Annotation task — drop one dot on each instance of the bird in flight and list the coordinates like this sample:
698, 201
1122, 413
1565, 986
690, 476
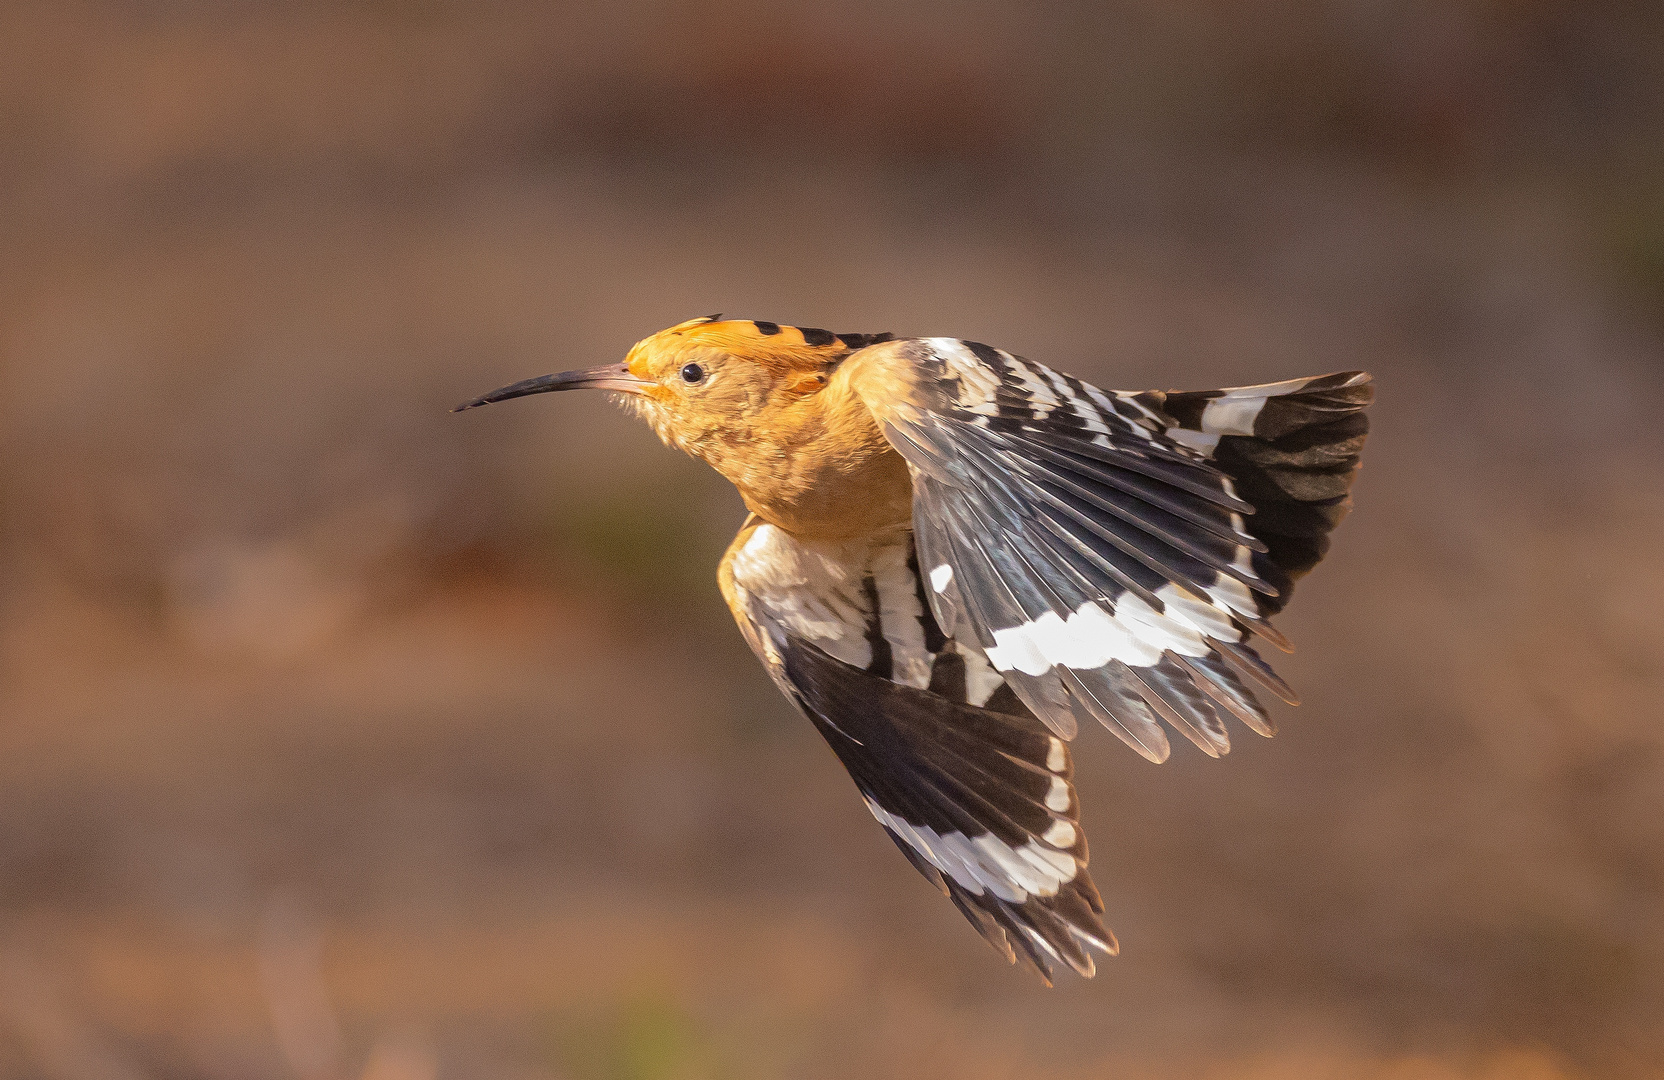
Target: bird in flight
955, 557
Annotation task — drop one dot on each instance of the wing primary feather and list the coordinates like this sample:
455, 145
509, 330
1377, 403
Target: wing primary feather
1115, 573
1059, 938
1262, 627
986, 925
1001, 461
946, 603
970, 794
1039, 596
1142, 733
1220, 683
1249, 662
953, 788
1094, 584
1214, 560
1076, 909
1155, 748
1170, 468
1120, 543
1027, 550
997, 467
1067, 569
1144, 492
990, 604
1159, 682
1015, 932
897, 798
987, 587
921, 864
1058, 672
911, 801
1043, 694
1151, 445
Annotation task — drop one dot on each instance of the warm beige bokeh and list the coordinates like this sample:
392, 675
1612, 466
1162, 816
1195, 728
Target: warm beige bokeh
344, 737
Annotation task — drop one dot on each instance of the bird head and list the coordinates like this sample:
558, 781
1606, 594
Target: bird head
727, 391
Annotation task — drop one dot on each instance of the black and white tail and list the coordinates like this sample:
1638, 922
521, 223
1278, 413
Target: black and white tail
1292, 449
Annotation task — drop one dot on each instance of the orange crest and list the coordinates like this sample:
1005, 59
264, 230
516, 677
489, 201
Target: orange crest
780, 349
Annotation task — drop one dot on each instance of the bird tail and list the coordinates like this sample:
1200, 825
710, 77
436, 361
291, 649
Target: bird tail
1291, 449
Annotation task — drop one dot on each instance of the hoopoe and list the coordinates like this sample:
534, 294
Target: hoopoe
955, 557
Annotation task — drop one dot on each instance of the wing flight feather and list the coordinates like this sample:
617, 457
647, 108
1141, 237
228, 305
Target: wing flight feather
1077, 555
970, 785
1113, 553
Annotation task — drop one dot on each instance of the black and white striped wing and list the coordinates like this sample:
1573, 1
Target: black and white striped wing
1112, 557
973, 789
979, 801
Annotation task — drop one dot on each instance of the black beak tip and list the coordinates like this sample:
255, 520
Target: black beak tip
610, 377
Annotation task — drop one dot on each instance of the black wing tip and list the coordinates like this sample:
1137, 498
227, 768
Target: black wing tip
932, 777
1044, 932
1338, 379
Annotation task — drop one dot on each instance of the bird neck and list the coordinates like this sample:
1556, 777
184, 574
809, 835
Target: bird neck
821, 469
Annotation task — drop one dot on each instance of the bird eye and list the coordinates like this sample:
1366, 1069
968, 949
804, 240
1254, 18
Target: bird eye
692, 373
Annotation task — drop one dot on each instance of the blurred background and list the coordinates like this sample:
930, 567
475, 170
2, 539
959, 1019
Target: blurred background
344, 737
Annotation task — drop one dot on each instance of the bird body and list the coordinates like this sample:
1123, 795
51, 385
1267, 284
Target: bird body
955, 555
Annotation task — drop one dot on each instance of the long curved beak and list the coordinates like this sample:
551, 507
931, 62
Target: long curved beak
611, 377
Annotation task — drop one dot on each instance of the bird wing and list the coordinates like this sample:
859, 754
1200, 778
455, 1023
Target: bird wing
972, 788
1113, 553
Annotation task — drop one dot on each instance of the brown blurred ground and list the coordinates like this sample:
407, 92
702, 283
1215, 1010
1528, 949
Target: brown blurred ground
340, 736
